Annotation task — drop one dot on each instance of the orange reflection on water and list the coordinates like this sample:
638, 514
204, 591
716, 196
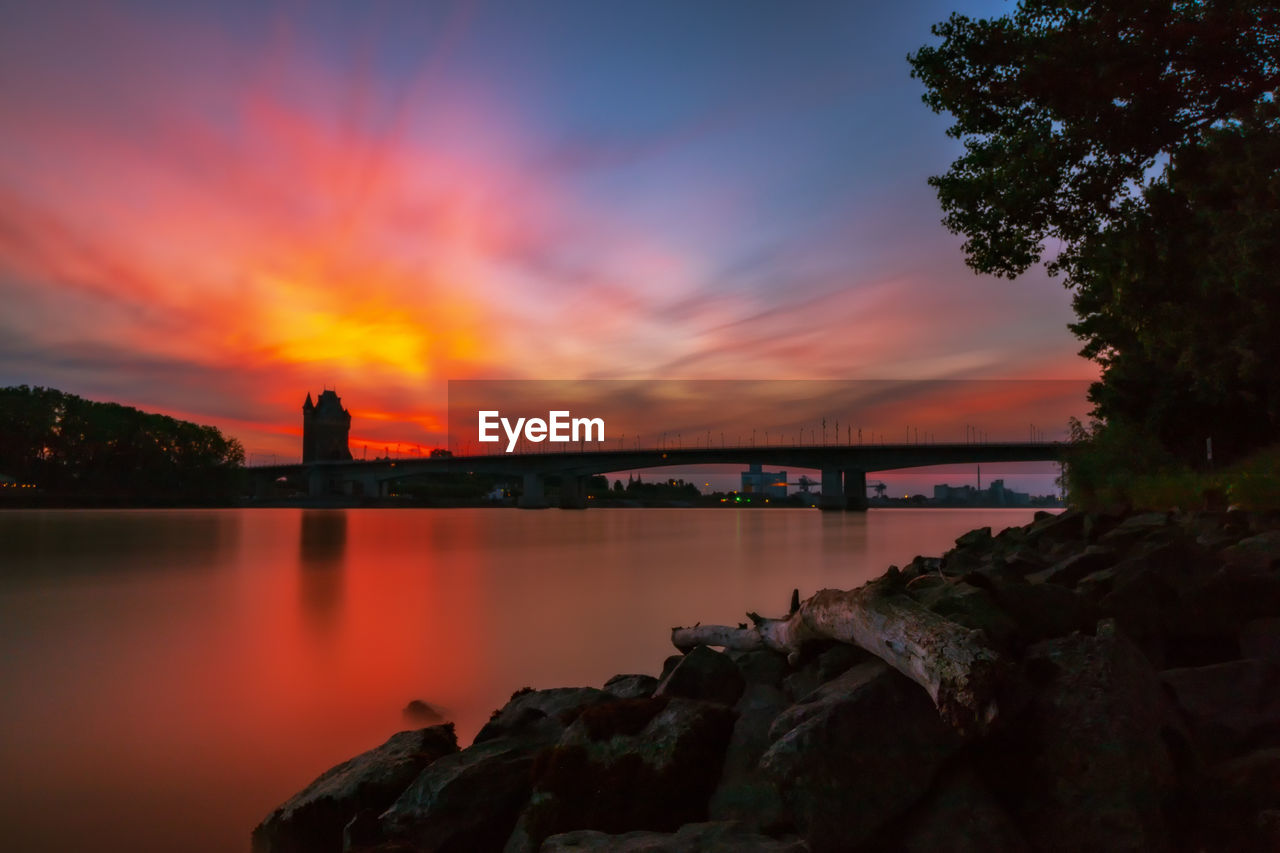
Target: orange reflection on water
176, 675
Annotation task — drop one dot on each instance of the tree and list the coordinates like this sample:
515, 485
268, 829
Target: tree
1177, 303
1126, 143
105, 451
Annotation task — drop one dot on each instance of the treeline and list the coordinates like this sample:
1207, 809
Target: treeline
1135, 149
80, 450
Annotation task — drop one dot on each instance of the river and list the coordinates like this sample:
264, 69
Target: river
168, 677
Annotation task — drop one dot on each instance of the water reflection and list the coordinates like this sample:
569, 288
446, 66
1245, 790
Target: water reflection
322, 555
56, 546
218, 693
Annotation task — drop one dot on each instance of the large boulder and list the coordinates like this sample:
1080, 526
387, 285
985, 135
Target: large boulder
972, 607
1257, 553
1049, 530
744, 793
529, 707
1135, 528
822, 661
470, 800
633, 764
717, 837
313, 819
1234, 596
631, 686
855, 754
1155, 604
1229, 705
1260, 639
1040, 611
960, 816
1238, 804
1090, 762
761, 666
1068, 571
706, 675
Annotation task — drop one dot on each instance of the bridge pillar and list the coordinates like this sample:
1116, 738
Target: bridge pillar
832, 491
534, 495
317, 482
370, 486
573, 492
261, 486
855, 490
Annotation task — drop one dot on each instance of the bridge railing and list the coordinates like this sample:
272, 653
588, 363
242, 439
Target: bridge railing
469, 450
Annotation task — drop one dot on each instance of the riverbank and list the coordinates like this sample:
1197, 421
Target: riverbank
1139, 709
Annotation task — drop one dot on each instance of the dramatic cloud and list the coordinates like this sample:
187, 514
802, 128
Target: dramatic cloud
210, 211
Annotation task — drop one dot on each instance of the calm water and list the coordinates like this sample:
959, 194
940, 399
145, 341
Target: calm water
166, 678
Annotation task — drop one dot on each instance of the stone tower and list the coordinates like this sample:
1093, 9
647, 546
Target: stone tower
325, 427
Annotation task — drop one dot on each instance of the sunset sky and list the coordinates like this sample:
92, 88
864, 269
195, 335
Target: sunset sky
211, 209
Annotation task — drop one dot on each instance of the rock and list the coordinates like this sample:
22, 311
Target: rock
1233, 596
1229, 705
823, 663
706, 675
1239, 800
313, 819
961, 816
1160, 610
1098, 524
975, 540
971, 607
1050, 530
761, 666
839, 658
1207, 528
721, 837
470, 800
855, 755
1010, 540
632, 764
1134, 528
744, 793
1068, 571
1044, 610
1261, 639
669, 664
422, 713
631, 686
1256, 553
1088, 764
1021, 563
528, 707
921, 565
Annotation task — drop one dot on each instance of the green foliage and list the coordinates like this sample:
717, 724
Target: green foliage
1178, 302
1116, 464
1255, 482
1105, 459
1064, 107
1142, 142
78, 448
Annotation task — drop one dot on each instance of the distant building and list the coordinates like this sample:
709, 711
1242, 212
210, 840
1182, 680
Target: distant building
954, 494
771, 484
326, 427
996, 495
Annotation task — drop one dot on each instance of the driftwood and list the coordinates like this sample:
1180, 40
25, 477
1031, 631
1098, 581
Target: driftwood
963, 675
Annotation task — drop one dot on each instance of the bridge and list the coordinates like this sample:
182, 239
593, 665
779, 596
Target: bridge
844, 467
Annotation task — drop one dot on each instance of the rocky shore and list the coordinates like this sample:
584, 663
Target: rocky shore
1141, 712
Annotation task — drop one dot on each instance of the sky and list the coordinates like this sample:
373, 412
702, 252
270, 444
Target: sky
210, 210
